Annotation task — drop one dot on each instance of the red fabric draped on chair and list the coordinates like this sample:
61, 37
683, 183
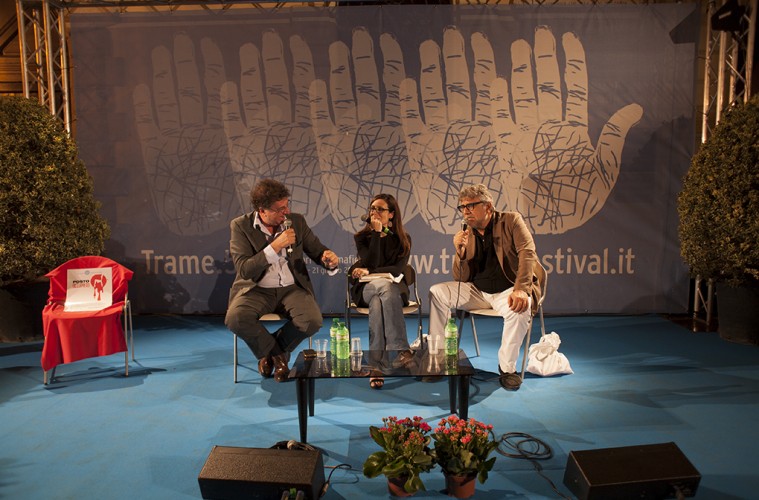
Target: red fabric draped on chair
74, 335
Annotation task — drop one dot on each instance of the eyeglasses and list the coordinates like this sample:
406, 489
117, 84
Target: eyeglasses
468, 207
280, 210
379, 210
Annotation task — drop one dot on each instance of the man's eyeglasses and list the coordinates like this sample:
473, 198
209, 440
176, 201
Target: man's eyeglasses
468, 207
379, 210
280, 210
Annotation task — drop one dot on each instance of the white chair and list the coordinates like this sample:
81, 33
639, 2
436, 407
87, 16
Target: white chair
414, 306
268, 318
462, 314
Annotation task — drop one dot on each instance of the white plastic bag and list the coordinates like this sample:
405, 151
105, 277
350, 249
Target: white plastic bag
544, 358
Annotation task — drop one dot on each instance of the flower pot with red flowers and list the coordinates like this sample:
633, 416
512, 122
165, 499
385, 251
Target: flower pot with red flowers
405, 454
461, 448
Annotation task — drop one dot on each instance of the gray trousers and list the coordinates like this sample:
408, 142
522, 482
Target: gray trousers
297, 304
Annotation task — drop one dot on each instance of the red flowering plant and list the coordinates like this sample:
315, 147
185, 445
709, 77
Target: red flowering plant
462, 447
406, 453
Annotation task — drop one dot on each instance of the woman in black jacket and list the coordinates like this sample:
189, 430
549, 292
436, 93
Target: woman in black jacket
382, 247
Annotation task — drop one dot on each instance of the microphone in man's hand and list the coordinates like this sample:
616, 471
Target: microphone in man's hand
386, 230
463, 228
287, 224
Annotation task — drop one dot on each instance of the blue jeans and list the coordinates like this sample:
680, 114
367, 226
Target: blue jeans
387, 326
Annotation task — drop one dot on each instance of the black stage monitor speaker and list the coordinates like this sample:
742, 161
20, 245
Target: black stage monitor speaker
646, 471
231, 473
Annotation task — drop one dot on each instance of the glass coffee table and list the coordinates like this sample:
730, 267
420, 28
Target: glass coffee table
389, 364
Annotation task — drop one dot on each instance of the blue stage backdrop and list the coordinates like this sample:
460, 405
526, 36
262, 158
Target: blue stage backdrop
579, 117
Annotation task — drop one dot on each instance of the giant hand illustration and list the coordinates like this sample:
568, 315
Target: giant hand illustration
183, 144
552, 173
269, 135
454, 145
361, 152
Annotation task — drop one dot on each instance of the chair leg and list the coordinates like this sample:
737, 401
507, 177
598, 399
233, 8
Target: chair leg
419, 330
474, 335
234, 351
526, 347
125, 314
49, 376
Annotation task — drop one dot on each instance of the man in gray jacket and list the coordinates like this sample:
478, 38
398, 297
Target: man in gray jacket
267, 247
496, 267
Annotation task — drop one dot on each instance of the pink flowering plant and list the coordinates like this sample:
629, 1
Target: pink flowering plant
405, 451
462, 447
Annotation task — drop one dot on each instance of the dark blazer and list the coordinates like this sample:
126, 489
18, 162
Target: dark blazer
515, 250
246, 248
371, 256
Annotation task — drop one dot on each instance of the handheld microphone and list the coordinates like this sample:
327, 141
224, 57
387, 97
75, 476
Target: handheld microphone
463, 225
287, 224
386, 230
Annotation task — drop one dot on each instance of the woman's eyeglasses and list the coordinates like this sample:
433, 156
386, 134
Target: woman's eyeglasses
379, 210
468, 207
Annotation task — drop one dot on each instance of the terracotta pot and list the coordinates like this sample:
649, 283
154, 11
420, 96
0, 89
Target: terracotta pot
460, 486
395, 487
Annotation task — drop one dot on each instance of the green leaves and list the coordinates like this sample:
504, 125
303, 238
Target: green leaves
719, 202
48, 213
405, 451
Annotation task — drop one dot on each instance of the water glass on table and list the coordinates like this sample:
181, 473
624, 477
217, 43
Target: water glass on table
321, 346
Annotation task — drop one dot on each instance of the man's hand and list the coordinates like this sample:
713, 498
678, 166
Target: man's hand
329, 259
284, 240
518, 301
460, 241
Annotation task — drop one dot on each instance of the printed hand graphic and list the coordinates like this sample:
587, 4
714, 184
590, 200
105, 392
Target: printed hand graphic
269, 135
361, 152
183, 143
546, 166
454, 145
551, 172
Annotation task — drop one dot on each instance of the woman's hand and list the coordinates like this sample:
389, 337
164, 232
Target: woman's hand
359, 271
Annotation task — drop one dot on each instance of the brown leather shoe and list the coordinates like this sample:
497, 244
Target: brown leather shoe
281, 371
265, 366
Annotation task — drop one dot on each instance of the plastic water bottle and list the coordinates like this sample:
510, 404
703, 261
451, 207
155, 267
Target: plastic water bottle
451, 338
333, 335
342, 339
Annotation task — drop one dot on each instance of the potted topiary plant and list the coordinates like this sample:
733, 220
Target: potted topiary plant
48, 214
719, 219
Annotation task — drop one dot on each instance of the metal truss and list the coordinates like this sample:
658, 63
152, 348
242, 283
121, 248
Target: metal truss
44, 58
728, 67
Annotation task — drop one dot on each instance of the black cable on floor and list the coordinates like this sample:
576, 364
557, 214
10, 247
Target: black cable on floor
526, 447
325, 487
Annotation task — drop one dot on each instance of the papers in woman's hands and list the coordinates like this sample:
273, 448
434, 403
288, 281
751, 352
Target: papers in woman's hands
381, 276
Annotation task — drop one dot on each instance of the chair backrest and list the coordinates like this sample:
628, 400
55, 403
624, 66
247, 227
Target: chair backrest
120, 276
409, 275
542, 276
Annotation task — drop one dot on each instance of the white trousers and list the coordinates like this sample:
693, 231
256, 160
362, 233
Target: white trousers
462, 295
